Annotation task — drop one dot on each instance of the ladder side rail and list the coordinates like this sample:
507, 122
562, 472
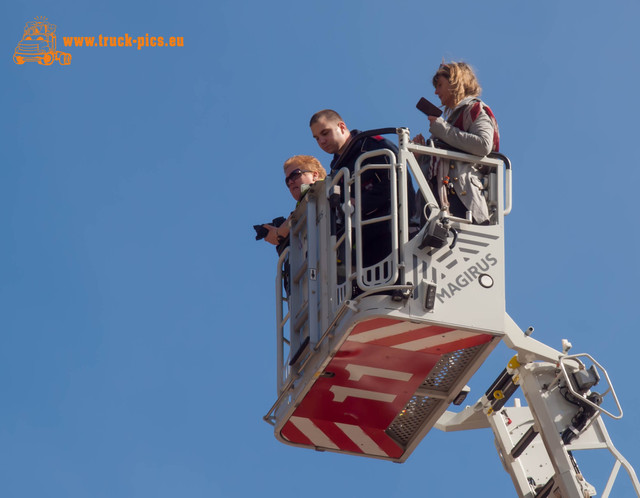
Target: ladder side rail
566, 476
546, 412
359, 169
547, 459
514, 466
281, 321
325, 287
303, 240
404, 202
604, 442
596, 425
347, 210
339, 291
311, 278
298, 265
331, 247
612, 477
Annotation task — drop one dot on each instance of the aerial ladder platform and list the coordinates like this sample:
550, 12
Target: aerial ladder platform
370, 359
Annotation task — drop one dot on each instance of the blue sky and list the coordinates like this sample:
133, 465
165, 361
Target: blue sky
137, 337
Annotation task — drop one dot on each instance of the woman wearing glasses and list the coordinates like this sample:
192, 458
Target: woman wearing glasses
299, 172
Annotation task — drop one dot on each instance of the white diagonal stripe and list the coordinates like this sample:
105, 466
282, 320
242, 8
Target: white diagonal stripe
357, 371
364, 442
311, 430
340, 393
436, 340
389, 331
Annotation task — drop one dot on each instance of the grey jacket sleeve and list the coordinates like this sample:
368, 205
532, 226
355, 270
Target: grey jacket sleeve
478, 140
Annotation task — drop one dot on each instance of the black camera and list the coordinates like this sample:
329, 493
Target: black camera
261, 232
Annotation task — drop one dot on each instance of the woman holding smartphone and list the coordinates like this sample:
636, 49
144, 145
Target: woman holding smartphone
468, 125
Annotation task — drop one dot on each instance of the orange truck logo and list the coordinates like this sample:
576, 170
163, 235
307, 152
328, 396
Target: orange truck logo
39, 44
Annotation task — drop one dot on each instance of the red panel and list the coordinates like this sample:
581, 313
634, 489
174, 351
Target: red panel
356, 409
367, 385
291, 433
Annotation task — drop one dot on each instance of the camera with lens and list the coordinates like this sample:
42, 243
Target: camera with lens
261, 231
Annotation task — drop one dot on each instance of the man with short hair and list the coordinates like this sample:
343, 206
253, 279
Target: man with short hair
330, 131
333, 137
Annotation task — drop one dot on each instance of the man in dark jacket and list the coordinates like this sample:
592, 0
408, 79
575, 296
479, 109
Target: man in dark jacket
333, 137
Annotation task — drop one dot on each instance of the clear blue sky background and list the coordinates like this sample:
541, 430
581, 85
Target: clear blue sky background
137, 338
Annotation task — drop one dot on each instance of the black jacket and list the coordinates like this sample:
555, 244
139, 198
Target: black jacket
376, 195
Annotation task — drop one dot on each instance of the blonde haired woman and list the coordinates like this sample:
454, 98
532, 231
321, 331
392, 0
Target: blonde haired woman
302, 170
299, 172
469, 125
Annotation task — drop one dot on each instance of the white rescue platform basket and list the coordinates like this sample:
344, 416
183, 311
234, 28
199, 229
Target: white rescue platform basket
370, 358
370, 373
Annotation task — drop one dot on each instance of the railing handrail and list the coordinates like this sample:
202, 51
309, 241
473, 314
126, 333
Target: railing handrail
281, 319
344, 175
354, 140
359, 170
493, 160
564, 359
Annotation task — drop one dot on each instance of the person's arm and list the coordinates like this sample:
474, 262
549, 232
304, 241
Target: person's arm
276, 234
478, 140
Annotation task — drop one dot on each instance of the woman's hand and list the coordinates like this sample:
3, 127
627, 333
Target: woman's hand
275, 235
272, 236
418, 139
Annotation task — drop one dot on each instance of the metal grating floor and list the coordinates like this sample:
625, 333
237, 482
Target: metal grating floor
441, 378
446, 372
409, 421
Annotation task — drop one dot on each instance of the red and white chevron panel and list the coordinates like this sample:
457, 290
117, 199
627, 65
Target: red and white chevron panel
368, 382
416, 337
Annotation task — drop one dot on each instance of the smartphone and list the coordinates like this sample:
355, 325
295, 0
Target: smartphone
428, 108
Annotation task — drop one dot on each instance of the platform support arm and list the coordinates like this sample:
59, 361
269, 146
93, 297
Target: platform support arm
528, 349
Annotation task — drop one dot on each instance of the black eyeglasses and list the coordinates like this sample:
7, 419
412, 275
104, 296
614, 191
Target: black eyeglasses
295, 174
